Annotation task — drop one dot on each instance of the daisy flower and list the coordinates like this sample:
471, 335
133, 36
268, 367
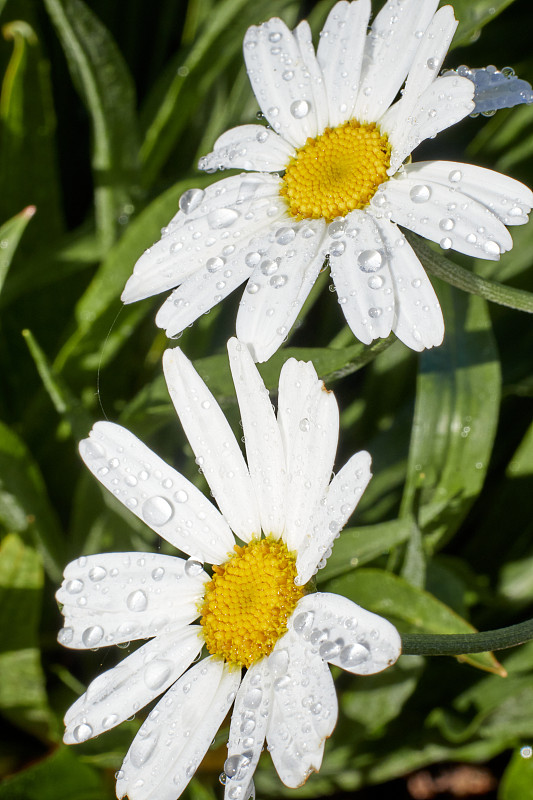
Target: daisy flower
254, 611
331, 177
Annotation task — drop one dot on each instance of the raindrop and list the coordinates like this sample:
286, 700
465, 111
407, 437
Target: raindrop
65, 636
353, 654
247, 726
288, 75
142, 749
336, 228
252, 698
237, 766
304, 425
300, 109
370, 260
261, 136
491, 248
109, 721
269, 267
74, 587
252, 259
92, 636
274, 37
337, 249
93, 449
214, 264
303, 621
222, 218
447, 224
416, 283
374, 313
375, 282
181, 496
82, 732
277, 281
329, 650
97, 574
137, 601
157, 511
190, 200
420, 193
446, 243
471, 238
252, 288
285, 235
193, 568
157, 673
455, 176
158, 573
432, 63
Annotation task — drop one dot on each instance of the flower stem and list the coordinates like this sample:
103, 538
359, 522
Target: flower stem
427, 644
469, 281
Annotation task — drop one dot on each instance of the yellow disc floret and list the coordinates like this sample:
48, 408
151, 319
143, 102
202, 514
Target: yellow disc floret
249, 600
337, 172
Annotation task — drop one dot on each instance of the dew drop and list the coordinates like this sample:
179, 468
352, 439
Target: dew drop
304, 425
288, 75
92, 636
157, 511
274, 37
370, 260
252, 288
455, 176
337, 248
74, 587
190, 200
269, 267
214, 264
285, 235
337, 228
109, 721
156, 673
432, 63
300, 108
303, 621
277, 281
82, 732
142, 749
252, 698
158, 573
447, 224
374, 313
93, 449
353, 654
65, 636
137, 601
261, 136
375, 282
446, 243
222, 218
329, 650
491, 248
236, 766
420, 193
97, 574
181, 496
252, 259
193, 568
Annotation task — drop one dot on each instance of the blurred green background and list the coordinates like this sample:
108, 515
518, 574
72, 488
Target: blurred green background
105, 108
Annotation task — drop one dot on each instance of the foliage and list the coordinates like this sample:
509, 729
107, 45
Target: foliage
105, 108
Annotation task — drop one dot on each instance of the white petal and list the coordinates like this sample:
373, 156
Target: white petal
140, 595
213, 219
312, 69
343, 494
389, 51
247, 733
418, 317
279, 287
445, 215
340, 55
264, 449
345, 634
426, 67
360, 271
120, 692
156, 493
281, 80
214, 445
249, 147
510, 200
308, 417
446, 101
304, 709
170, 744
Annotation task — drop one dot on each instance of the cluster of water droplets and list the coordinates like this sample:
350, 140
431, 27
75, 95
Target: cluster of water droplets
495, 89
331, 642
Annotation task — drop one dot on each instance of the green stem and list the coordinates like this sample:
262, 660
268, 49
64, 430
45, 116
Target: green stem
427, 644
469, 281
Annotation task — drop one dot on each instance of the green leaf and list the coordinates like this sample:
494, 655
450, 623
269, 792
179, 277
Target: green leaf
473, 15
60, 776
413, 608
517, 780
23, 697
28, 159
357, 546
24, 504
10, 234
106, 88
456, 413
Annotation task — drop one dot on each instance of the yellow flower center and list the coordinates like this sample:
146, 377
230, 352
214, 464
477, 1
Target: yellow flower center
249, 600
337, 172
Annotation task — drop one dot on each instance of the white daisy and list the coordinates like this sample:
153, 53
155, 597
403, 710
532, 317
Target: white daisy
254, 612
340, 141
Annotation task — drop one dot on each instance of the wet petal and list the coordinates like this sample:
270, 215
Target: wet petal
120, 692
308, 417
340, 55
345, 634
264, 449
251, 147
214, 445
360, 271
279, 286
343, 494
156, 493
172, 741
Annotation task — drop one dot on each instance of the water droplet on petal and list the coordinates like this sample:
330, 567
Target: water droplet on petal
158, 573
252, 698
137, 601
432, 63
74, 587
181, 496
370, 260
222, 218
93, 449
446, 243
285, 235
97, 574
447, 224
455, 176
82, 732
303, 621
420, 193
288, 75
304, 425
329, 650
277, 281
193, 568
353, 654
214, 264
142, 749
252, 288
109, 721
157, 511
190, 200
491, 248
156, 673
300, 109
92, 636
375, 282
65, 636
